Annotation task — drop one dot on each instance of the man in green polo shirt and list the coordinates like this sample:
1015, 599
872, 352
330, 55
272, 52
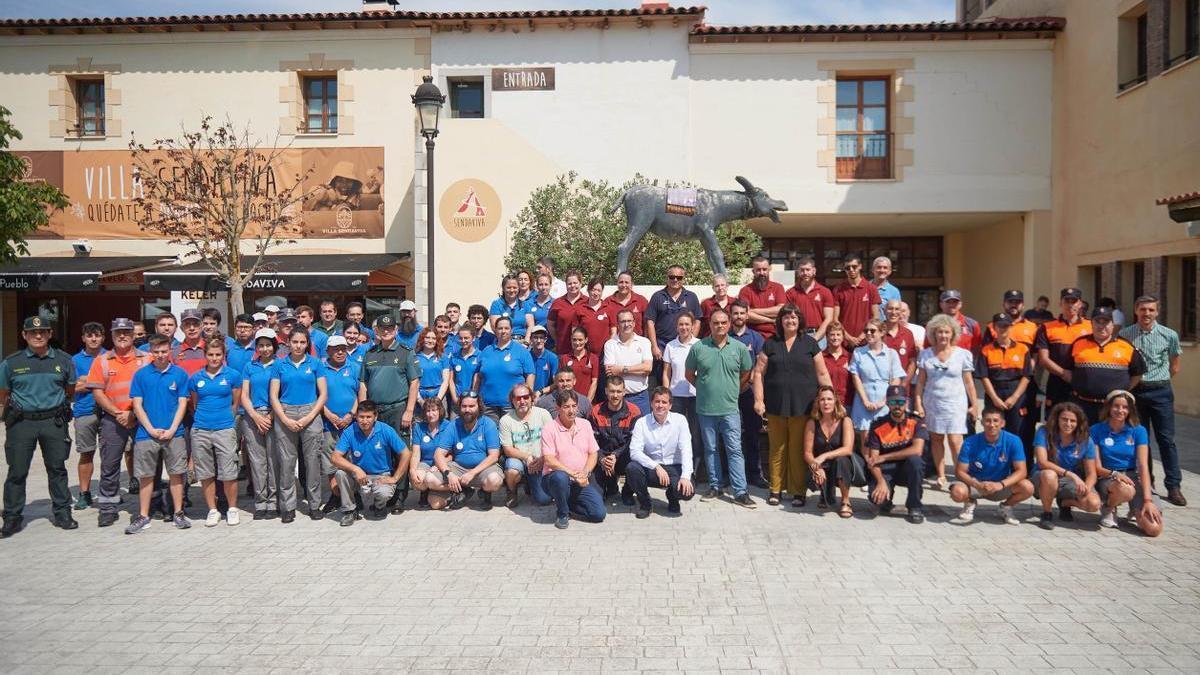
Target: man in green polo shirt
719, 367
35, 386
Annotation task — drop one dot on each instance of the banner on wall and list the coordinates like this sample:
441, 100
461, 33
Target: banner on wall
344, 192
181, 300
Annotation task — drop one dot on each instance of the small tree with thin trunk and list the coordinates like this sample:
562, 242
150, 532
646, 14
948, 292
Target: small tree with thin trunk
221, 195
25, 203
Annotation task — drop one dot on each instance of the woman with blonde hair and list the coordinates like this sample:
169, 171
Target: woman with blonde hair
829, 451
945, 391
1124, 450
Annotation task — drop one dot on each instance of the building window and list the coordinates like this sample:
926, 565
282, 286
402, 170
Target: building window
89, 106
1189, 329
863, 129
1183, 34
1132, 64
320, 104
466, 97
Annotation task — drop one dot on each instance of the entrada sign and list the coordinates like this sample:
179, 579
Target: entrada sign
523, 79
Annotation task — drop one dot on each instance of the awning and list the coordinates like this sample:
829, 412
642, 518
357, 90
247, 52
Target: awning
332, 272
79, 273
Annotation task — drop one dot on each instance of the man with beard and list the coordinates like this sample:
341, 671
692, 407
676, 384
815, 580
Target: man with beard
521, 443
407, 328
471, 460
1053, 345
858, 301
763, 298
813, 299
1023, 330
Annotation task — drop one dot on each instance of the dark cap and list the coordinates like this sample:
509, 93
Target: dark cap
951, 294
191, 314
385, 321
36, 323
1014, 295
1001, 319
896, 391
1070, 292
286, 314
121, 324
1102, 313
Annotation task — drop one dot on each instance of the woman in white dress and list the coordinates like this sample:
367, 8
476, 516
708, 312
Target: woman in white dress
945, 389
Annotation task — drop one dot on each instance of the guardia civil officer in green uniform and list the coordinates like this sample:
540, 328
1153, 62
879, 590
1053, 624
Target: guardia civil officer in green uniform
391, 377
36, 384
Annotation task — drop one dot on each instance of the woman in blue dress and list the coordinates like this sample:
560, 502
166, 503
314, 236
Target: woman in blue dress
873, 367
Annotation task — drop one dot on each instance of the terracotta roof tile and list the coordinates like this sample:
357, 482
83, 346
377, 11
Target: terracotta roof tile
1185, 197
1041, 23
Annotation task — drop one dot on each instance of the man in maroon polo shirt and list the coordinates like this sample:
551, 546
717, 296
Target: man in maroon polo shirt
857, 301
720, 300
814, 300
970, 336
764, 297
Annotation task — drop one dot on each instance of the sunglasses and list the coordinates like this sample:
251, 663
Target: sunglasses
894, 402
674, 277
870, 331
522, 397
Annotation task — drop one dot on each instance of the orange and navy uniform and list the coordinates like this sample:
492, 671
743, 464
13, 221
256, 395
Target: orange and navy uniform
1097, 369
887, 435
1023, 330
1004, 366
113, 375
1056, 337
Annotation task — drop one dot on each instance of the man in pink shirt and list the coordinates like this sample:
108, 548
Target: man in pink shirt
569, 452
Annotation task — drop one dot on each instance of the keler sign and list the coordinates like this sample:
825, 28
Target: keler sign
523, 79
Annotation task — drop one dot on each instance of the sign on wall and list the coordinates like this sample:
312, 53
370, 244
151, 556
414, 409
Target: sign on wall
101, 186
523, 79
181, 300
469, 210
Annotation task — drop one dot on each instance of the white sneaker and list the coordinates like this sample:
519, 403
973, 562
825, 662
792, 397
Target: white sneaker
1108, 517
233, 516
1006, 514
214, 517
967, 514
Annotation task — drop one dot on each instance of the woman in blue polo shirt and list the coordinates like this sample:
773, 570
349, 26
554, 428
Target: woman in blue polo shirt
1065, 465
501, 366
357, 348
509, 306
1124, 450
463, 367
537, 308
428, 435
213, 391
435, 365
257, 423
297, 397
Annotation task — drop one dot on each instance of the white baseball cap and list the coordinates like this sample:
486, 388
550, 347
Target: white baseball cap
408, 305
265, 333
272, 309
336, 341
259, 316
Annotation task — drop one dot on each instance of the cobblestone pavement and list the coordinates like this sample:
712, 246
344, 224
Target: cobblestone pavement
719, 589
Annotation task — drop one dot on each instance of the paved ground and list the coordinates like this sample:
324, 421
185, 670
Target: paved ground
720, 589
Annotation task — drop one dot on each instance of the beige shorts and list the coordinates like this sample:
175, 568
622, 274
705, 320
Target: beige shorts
147, 452
493, 470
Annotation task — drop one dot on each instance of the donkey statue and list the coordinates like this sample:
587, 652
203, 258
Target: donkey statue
690, 214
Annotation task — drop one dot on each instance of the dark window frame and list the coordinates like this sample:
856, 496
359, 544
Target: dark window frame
327, 120
89, 90
862, 165
1191, 34
1189, 327
456, 86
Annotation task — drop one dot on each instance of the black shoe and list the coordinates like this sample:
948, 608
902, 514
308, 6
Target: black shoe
511, 500
711, 494
456, 501
423, 500
64, 522
485, 501
330, 506
134, 486
396, 509
1065, 515
1046, 522
347, 519
187, 500
887, 506
106, 519
11, 527
643, 512
260, 515
627, 496
916, 516
745, 500
1175, 496
316, 514
288, 517
759, 482
673, 508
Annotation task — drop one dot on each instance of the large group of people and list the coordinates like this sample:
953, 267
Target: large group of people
577, 400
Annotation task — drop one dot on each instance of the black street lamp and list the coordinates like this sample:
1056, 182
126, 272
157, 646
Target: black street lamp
428, 101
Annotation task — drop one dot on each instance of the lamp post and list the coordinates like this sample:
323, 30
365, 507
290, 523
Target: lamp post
428, 100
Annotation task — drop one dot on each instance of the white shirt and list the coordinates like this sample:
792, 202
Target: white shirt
676, 353
918, 332
634, 353
558, 288
667, 443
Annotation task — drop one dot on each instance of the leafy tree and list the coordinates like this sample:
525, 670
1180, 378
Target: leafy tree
218, 193
25, 204
575, 222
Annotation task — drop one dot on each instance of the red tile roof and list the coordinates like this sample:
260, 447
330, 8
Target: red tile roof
1019, 25
1176, 199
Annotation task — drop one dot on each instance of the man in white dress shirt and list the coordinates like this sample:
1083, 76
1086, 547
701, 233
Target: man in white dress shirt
660, 455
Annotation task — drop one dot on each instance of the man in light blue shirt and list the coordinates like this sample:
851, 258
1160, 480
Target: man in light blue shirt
660, 455
881, 271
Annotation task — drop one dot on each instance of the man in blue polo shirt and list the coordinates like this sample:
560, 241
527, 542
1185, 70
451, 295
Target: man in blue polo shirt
545, 362
83, 410
408, 328
241, 346
160, 395
471, 461
341, 403
991, 465
364, 459
463, 366
502, 366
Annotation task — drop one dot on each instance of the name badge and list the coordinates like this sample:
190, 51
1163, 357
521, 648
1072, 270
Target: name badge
200, 384
458, 445
458, 368
507, 357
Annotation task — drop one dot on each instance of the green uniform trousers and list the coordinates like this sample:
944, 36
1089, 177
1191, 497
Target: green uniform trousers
22, 439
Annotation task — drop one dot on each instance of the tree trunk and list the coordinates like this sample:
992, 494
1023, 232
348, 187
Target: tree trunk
236, 303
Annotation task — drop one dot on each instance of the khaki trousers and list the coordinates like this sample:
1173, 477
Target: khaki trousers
788, 471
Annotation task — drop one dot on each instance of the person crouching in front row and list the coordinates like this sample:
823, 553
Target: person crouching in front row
362, 459
991, 465
569, 451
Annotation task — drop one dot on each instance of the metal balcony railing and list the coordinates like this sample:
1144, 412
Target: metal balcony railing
864, 154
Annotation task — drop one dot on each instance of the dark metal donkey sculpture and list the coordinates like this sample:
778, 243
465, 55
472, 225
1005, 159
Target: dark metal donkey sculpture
646, 211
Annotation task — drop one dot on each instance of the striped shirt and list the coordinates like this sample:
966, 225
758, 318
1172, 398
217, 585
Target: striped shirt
1157, 345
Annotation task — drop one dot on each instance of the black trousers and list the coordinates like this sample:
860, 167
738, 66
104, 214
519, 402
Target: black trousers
640, 480
21, 441
907, 472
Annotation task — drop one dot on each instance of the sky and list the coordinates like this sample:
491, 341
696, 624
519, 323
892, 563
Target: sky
720, 12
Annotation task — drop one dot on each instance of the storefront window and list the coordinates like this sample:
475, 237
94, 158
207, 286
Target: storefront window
151, 308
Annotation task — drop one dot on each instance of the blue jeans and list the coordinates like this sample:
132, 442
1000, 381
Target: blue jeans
534, 480
1156, 408
730, 428
641, 400
584, 502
